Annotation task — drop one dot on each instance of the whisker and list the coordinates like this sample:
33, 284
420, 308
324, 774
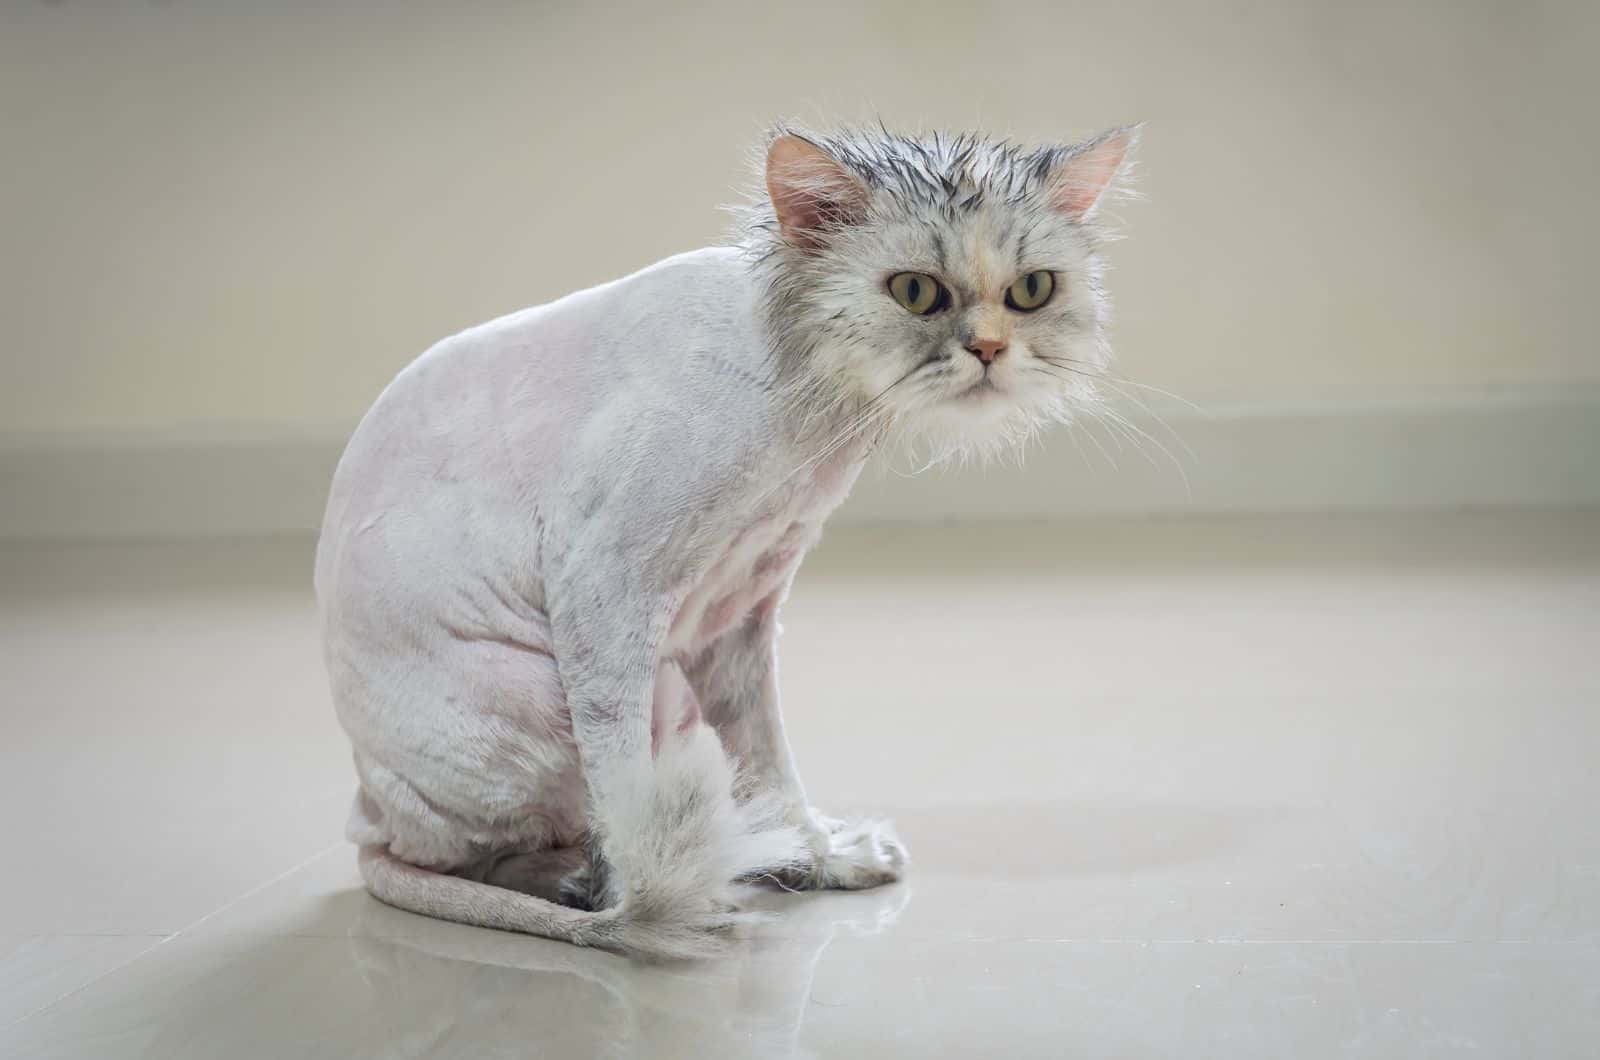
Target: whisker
1101, 373
1119, 426
1103, 452
1116, 382
1155, 416
869, 410
1081, 454
1158, 418
1117, 417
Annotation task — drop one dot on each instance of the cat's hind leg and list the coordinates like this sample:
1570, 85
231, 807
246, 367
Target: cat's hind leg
675, 842
558, 874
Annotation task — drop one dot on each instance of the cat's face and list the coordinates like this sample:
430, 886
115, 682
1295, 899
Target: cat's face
953, 285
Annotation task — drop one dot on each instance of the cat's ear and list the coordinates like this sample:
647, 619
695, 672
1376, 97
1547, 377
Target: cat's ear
1083, 173
812, 192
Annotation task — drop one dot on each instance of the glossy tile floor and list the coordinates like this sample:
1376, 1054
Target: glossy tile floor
1277, 788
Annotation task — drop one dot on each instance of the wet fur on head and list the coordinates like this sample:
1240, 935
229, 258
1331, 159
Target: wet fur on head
841, 213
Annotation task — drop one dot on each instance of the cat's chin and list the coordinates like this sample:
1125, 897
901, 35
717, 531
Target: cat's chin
980, 422
977, 410
983, 394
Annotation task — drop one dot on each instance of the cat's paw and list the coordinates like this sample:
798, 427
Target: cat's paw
849, 855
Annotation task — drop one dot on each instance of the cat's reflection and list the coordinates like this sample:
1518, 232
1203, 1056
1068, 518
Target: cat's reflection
445, 990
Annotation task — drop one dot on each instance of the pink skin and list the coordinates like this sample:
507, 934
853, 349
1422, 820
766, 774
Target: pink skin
749, 578
674, 705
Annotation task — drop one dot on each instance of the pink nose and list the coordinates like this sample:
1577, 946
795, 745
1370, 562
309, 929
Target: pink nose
986, 350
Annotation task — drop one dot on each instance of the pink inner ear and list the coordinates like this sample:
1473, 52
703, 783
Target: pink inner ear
1083, 178
811, 191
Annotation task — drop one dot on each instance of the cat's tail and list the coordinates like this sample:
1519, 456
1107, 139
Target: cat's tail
676, 847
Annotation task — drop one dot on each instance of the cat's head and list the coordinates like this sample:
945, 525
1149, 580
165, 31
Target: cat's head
950, 285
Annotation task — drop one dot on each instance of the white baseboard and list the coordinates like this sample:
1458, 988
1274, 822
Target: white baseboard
1536, 449
1481, 450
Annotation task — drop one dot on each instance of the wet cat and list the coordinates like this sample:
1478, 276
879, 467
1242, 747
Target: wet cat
556, 548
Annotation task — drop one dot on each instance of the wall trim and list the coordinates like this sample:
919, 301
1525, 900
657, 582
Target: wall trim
1492, 449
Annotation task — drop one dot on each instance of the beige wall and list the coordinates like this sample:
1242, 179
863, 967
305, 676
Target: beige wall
256, 216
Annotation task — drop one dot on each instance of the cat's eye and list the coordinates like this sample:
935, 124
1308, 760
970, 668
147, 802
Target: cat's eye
918, 292
1031, 291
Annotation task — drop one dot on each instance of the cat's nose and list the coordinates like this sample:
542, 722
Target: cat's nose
986, 350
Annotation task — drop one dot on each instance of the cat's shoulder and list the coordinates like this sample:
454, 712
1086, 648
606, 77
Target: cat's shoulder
705, 261
706, 276
690, 293
705, 273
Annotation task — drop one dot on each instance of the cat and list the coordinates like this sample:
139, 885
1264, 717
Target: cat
555, 549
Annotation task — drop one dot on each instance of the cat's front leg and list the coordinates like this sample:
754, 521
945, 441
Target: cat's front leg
737, 684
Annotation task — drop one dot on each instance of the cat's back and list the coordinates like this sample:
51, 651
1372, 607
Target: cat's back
562, 359
492, 416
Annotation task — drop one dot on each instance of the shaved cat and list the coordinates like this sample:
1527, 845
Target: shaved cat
556, 548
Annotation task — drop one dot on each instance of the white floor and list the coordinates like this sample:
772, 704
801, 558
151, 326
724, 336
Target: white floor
1275, 788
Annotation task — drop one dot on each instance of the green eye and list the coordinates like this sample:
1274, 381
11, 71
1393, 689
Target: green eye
917, 292
1031, 291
